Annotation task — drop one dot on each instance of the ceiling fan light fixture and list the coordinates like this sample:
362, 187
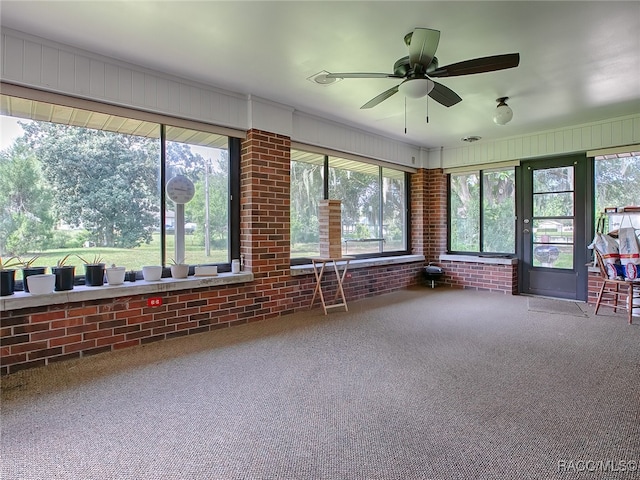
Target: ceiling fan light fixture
503, 113
416, 87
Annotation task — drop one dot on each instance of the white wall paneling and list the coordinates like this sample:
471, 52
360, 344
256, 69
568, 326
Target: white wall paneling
318, 131
38, 63
607, 133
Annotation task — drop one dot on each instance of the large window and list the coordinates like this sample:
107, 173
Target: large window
616, 184
482, 211
373, 200
87, 185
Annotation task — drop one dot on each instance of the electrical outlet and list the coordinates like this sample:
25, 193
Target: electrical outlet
154, 302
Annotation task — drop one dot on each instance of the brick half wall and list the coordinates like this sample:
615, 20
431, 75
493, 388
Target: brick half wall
34, 337
481, 276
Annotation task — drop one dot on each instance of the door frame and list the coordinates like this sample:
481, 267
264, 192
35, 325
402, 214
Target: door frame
583, 226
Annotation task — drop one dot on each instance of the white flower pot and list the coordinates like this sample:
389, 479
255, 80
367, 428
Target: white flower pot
179, 270
41, 284
152, 273
115, 275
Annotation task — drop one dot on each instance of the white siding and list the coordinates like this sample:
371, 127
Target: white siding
34, 62
325, 133
608, 133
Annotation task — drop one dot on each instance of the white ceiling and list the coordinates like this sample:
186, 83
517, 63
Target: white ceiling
579, 61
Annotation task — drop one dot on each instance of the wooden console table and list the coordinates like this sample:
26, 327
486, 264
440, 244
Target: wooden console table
319, 266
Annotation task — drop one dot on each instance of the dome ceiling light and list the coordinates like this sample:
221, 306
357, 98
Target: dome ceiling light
503, 113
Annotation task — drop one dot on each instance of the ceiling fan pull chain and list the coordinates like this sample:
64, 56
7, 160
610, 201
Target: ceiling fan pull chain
405, 115
427, 109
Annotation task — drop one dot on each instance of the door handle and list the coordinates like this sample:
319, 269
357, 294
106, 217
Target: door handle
526, 230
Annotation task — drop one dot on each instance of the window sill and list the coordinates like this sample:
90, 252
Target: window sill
362, 263
479, 259
81, 293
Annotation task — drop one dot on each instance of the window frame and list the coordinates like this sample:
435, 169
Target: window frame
234, 140
481, 233
380, 166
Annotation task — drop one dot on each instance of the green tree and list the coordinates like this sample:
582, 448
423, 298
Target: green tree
26, 220
617, 183
103, 181
306, 191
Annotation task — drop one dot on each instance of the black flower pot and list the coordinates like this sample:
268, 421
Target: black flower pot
7, 282
94, 274
65, 277
31, 271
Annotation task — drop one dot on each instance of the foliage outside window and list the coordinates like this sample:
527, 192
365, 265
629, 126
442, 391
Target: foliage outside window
373, 200
616, 184
88, 192
482, 211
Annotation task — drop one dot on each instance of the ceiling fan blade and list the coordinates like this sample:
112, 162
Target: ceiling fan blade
444, 95
362, 75
380, 98
422, 47
478, 65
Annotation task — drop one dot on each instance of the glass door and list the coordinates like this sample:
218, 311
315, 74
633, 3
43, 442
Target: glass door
552, 228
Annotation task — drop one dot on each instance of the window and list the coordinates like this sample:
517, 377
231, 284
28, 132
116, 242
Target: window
616, 181
482, 211
374, 201
88, 184
204, 158
552, 219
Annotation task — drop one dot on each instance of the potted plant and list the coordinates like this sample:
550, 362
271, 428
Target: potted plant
29, 269
152, 273
179, 269
115, 275
93, 271
41, 283
65, 275
8, 275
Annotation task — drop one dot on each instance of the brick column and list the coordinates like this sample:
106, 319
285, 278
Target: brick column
418, 192
264, 214
429, 213
436, 214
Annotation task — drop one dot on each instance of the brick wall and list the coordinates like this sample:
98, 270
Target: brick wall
436, 208
481, 276
33, 337
37, 336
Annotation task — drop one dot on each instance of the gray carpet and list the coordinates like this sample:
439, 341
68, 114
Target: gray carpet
419, 384
558, 307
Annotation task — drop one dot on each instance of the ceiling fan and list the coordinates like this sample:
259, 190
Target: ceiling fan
421, 65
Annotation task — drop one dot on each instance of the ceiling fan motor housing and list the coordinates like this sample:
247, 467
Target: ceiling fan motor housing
402, 67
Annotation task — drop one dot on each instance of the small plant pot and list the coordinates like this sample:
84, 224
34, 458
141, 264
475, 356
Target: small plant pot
179, 271
41, 284
115, 275
7, 282
26, 272
65, 277
94, 275
152, 273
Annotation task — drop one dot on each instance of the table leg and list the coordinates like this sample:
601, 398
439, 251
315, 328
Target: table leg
318, 289
340, 279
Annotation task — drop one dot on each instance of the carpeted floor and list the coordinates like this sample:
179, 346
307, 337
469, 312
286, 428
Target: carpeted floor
419, 384
559, 307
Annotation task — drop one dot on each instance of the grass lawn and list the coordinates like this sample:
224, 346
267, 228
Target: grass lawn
132, 258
